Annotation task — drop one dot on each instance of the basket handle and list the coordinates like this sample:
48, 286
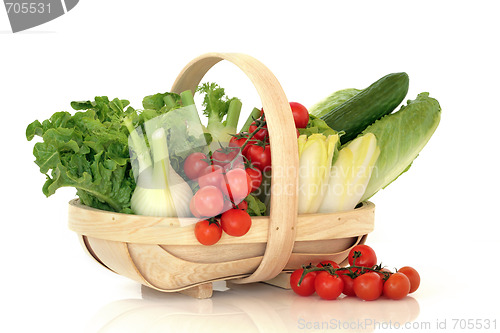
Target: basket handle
284, 154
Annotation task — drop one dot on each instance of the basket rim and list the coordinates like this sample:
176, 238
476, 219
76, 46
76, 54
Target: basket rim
141, 229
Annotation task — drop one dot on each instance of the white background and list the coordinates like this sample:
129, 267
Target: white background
441, 217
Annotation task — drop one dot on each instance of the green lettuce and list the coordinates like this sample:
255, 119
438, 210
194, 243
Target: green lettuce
332, 101
87, 151
401, 136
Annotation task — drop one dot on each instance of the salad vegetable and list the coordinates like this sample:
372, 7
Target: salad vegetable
332, 101
363, 278
401, 136
350, 174
316, 153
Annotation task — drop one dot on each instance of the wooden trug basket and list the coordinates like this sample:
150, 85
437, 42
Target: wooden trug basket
160, 254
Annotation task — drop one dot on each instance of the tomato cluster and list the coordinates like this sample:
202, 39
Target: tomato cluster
228, 175
254, 144
362, 278
224, 183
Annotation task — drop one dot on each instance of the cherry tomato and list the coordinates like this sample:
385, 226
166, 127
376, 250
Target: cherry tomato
239, 142
348, 283
194, 164
368, 257
208, 201
260, 157
326, 262
236, 184
211, 176
224, 156
300, 114
328, 286
207, 233
235, 222
255, 178
306, 287
227, 204
261, 135
412, 275
368, 286
242, 205
397, 286
193, 208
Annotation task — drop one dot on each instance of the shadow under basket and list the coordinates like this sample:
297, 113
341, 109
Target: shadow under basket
161, 254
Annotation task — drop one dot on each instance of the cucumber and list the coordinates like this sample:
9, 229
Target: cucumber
369, 105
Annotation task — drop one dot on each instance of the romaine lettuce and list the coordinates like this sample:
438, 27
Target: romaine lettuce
400, 137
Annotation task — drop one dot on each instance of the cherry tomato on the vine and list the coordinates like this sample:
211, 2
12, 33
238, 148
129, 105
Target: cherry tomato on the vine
211, 176
260, 156
306, 287
261, 135
368, 286
242, 205
412, 274
207, 233
255, 178
208, 201
192, 208
348, 283
397, 286
240, 142
235, 222
194, 164
328, 286
325, 263
237, 184
368, 257
300, 114
224, 156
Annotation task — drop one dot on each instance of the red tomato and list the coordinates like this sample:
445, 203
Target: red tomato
260, 157
211, 176
261, 135
368, 257
326, 262
348, 283
236, 184
412, 274
242, 205
255, 178
397, 286
193, 208
328, 286
368, 286
207, 233
239, 142
306, 287
235, 222
224, 156
208, 201
194, 164
300, 114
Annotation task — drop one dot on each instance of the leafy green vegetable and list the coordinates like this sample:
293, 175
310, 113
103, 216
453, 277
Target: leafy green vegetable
401, 136
331, 102
255, 206
217, 106
87, 151
317, 126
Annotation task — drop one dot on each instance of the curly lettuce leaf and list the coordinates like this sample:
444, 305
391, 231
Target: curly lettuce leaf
87, 151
